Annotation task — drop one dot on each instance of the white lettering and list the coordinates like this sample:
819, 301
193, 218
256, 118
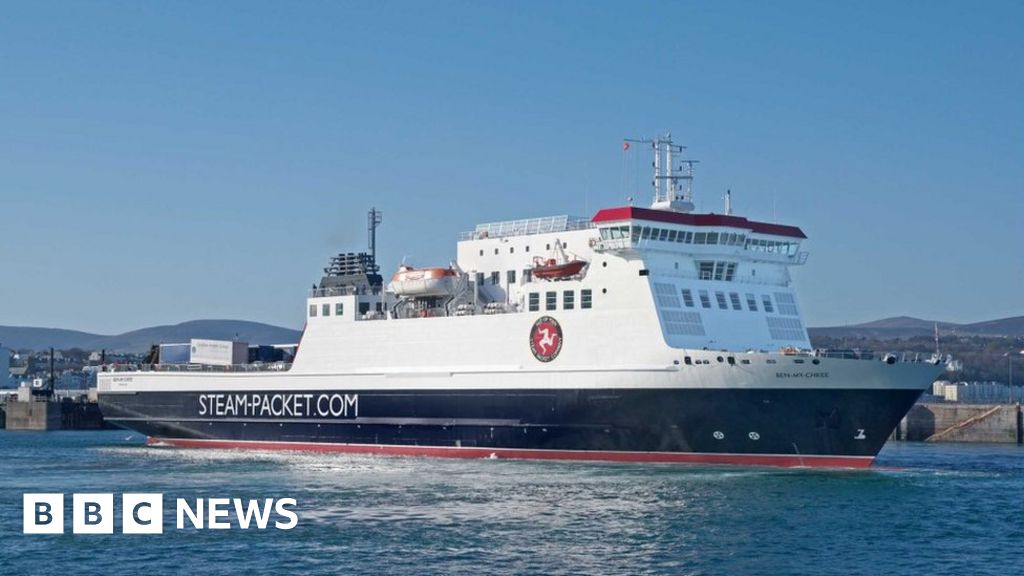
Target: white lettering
217, 509
282, 510
185, 510
253, 510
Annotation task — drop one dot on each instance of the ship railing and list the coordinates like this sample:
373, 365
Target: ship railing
253, 367
526, 227
344, 291
887, 357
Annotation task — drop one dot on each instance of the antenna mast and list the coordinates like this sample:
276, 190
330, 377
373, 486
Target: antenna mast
373, 219
673, 179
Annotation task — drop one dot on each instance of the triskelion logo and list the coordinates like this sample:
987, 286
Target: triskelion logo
546, 339
144, 513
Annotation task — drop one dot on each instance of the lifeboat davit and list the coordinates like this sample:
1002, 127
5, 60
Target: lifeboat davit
424, 282
550, 269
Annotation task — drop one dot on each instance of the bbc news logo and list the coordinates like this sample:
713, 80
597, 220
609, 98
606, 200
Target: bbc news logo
94, 513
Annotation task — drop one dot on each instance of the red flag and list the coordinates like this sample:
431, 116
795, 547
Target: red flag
625, 146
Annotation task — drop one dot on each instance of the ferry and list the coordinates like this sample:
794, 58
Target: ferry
639, 334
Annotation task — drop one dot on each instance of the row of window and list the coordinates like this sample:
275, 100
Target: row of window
512, 249
510, 277
325, 309
733, 300
666, 297
638, 233
568, 300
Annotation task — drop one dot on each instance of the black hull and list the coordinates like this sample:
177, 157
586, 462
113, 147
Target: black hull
820, 425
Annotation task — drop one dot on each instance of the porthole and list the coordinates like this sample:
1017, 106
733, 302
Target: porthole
720, 359
604, 264
718, 435
604, 290
754, 436
815, 361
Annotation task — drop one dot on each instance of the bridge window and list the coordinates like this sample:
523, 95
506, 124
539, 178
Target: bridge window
551, 300
712, 238
705, 300
635, 234
751, 303
712, 270
663, 235
700, 238
671, 235
568, 300
534, 301
312, 310
767, 301
720, 297
705, 270
734, 298
585, 298
688, 297
339, 308
326, 309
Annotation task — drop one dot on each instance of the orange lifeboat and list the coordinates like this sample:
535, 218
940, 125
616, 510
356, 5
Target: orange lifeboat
424, 282
550, 269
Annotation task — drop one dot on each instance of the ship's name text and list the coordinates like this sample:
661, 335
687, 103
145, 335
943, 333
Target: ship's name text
801, 374
291, 405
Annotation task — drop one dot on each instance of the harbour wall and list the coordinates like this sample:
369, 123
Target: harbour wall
943, 422
37, 412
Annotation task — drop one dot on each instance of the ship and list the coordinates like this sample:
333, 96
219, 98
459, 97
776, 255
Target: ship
638, 334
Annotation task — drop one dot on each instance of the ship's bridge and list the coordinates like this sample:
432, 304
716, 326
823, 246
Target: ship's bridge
628, 228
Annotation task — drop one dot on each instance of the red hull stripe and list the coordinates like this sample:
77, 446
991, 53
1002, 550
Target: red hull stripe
783, 460
631, 213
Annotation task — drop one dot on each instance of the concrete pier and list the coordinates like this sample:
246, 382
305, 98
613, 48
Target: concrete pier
997, 423
32, 413
28, 411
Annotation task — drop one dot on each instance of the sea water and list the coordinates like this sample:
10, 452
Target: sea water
924, 509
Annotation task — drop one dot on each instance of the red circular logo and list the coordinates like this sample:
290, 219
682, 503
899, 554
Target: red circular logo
546, 339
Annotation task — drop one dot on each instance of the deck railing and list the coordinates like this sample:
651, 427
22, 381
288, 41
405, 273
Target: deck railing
526, 227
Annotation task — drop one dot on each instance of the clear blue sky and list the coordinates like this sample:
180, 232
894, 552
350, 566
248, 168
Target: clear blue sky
168, 161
